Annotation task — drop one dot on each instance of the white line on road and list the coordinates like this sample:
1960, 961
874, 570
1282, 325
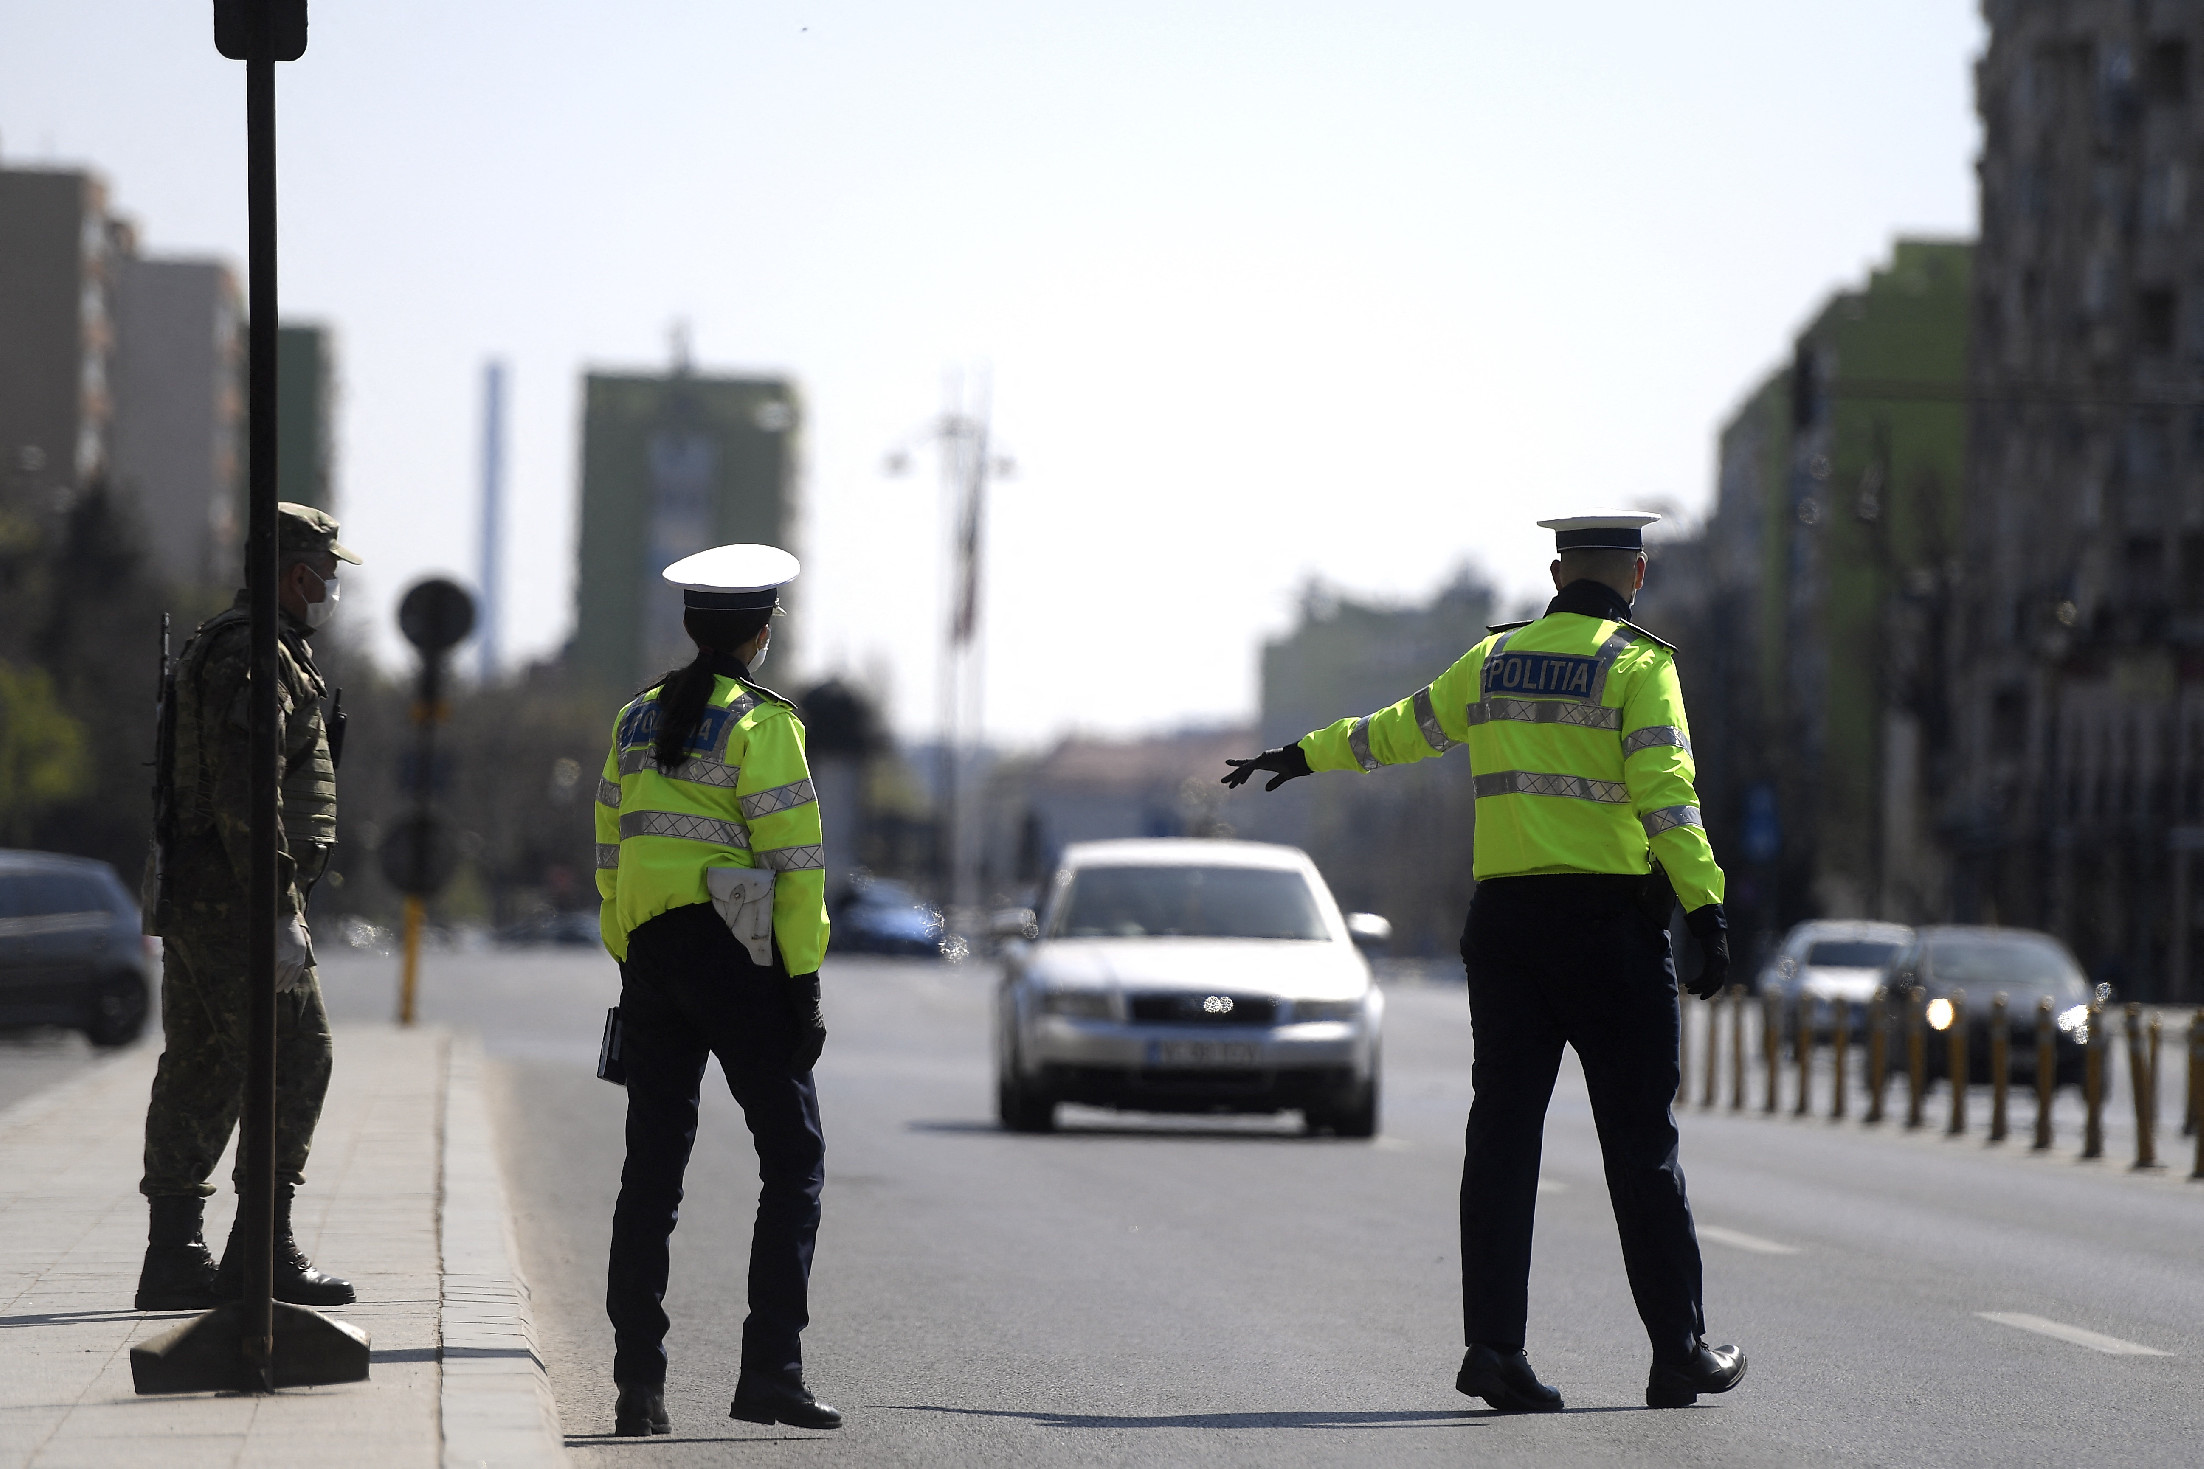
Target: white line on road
1737, 1239
1548, 1186
2111, 1346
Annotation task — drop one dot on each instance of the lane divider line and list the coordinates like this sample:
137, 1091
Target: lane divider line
1548, 1186
2096, 1341
1737, 1239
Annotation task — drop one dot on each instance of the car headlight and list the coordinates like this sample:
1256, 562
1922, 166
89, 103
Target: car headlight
2074, 1020
1327, 1009
1939, 1013
1078, 1004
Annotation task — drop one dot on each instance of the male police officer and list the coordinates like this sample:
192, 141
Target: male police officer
198, 904
1580, 759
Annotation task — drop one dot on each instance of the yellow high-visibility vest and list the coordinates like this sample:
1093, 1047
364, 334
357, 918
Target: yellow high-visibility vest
1579, 751
742, 797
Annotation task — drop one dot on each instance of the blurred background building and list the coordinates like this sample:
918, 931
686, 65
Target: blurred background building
672, 464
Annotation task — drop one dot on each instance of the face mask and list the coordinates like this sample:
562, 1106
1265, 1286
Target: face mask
319, 613
757, 660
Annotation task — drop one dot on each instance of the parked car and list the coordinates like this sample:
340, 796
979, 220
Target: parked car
1830, 961
1187, 975
1982, 962
882, 916
71, 950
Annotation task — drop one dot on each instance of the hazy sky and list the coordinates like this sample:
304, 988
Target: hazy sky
1268, 290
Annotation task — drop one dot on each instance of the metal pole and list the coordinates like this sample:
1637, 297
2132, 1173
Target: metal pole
2143, 1081
1771, 1045
2047, 1071
409, 970
1955, 1063
1737, 1047
2093, 1084
1840, 1041
1916, 1058
1802, 1048
256, 1204
2001, 1064
1878, 1051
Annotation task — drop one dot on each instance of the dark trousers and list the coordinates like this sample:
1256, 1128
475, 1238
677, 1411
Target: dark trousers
1573, 960
689, 991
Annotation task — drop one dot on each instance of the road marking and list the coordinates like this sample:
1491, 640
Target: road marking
1737, 1239
2096, 1341
1548, 1186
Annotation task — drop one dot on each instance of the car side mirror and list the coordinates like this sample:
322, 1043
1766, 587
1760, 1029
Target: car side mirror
1371, 932
1013, 923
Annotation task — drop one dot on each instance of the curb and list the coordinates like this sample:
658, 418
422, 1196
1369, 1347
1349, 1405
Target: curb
496, 1404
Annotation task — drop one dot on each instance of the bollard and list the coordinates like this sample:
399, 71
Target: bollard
1840, 1041
2047, 1070
1878, 1051
1771, 1043
2001, 1065
2196, 1089
1802, 1050
1737, 1048
1955, 1063
1916, 1057
1713, 1008
2143, 1081
2093, 1084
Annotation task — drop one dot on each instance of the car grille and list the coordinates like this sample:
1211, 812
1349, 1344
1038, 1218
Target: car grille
1217, 1009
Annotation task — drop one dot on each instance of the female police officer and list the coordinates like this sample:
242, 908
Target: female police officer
709, 863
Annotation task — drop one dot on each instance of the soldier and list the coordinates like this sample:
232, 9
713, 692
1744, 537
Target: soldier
198, 905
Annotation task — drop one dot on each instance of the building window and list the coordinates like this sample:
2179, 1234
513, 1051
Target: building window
2155, 308
2166, 72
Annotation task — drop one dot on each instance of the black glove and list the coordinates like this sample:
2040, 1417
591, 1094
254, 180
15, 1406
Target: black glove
1711, 929
809, 1018
1286, 760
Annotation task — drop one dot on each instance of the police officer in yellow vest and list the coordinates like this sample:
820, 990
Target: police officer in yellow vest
714, 888
1588, 833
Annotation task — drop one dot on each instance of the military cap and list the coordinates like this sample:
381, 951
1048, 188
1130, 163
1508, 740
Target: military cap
739, 578
303, 530
1602, 530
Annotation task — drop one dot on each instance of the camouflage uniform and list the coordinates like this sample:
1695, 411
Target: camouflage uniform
200, 910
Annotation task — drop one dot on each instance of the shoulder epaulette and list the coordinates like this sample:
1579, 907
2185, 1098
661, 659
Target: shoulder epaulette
765, 693
1509, 626
1650, 637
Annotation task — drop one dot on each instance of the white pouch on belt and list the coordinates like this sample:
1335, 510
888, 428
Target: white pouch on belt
744, 898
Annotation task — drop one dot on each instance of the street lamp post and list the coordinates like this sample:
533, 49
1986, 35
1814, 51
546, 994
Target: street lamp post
257, 1344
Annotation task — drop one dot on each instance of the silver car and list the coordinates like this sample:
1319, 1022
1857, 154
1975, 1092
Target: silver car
70, 948
1831, 961
1189, 976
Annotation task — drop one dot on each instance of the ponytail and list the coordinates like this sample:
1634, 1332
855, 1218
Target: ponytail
683, 693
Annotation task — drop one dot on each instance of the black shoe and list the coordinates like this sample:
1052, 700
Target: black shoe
641, 1412
1504, 1379
296, 1279
1677, 1384
179, 1270
764, 1398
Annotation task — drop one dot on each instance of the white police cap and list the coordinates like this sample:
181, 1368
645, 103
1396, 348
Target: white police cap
1602, 530
740, 578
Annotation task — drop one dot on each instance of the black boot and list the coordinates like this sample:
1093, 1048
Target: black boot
179, 1269
296, 1280
640, 1412
773, 1397
1504, 1379
1677, 1382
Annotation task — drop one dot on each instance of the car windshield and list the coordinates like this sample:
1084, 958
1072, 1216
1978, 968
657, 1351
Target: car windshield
1851, 954
1188, 902
1983, 963
38, 894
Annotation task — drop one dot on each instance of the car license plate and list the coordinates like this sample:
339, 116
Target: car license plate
1201, 1053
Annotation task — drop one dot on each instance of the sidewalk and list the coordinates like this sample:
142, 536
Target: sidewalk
402, 1197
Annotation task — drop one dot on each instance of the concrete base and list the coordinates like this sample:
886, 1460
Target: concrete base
205, 1354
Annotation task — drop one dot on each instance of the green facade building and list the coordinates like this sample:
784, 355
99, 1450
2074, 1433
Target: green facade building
671, 465
1831, 563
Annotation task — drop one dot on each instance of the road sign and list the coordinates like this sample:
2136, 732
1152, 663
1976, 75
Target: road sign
418, 856
260, 30
435, 615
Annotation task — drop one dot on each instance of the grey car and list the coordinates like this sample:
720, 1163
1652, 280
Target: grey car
71, 952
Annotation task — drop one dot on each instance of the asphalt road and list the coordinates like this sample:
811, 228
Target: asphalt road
1157, 1292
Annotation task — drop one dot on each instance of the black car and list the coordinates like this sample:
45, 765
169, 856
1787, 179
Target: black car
71, 952
2019, 963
